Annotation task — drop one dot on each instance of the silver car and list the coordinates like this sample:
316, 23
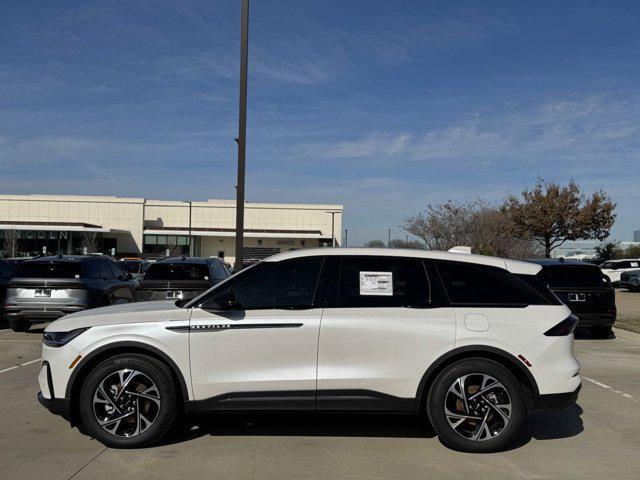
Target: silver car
47, 288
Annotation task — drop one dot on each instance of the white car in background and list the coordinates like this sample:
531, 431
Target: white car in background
474, 342
614, 268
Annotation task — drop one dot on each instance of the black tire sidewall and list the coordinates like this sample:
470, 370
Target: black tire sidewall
437, 395
158, 372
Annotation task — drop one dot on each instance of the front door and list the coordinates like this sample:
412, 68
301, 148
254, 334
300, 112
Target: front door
259, 349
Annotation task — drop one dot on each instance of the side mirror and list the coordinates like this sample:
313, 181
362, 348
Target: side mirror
225, 301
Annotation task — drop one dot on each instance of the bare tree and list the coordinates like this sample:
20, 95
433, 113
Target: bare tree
375, 244
414, 244
90, 242
479, 225
551, 214
11, 242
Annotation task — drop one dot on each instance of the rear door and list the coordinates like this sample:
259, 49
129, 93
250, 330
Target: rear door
262, 354
381, 329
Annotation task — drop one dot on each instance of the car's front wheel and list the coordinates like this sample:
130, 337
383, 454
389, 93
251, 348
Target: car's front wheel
476, 405
128, 401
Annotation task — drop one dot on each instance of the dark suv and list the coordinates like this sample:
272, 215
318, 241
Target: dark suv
47, 288
181, 278
6, 272
585, 290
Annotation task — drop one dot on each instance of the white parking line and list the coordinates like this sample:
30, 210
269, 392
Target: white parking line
605, 386
21, 365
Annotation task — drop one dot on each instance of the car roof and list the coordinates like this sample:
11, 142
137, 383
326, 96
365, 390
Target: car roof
551, 262
68, 258
623, 260
189, 260
514, 266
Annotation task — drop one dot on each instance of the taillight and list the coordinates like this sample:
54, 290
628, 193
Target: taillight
564, 328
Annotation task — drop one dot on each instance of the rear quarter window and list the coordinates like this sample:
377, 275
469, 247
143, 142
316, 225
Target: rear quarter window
469, 284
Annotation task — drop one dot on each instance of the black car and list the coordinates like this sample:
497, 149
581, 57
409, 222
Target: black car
43, 289
585, 290
6, 272
181, 278
630, 280
137, 268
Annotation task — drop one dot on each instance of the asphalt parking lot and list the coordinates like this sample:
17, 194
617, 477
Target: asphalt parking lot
598, 438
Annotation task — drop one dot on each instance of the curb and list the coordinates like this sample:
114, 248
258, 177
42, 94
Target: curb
626, 334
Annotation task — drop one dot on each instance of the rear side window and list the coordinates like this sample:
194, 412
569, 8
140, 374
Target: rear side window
50, 270
383, 282
471, 284
173, 271
219, 272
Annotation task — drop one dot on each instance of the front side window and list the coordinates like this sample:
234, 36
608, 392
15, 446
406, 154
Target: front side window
382, 282
472, 284
269, 285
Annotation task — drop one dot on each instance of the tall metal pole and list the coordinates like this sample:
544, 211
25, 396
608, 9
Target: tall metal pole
190, 234
389, 239
242, 132
346, 237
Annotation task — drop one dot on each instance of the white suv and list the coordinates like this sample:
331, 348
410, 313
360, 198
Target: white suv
475, 342
615, 268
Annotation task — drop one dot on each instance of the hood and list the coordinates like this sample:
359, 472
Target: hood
120, 314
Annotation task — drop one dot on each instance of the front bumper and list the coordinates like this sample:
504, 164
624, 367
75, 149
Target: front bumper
555, 401
59, 406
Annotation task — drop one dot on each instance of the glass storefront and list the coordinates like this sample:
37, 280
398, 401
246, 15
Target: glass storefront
159, 244
31, 243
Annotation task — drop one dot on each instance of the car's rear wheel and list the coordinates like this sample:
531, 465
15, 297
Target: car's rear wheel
128, 401
19, 325
601, 331
476, 405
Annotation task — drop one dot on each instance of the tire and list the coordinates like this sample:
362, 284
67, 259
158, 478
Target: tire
473, 372
145, 421
19, 325
601, 331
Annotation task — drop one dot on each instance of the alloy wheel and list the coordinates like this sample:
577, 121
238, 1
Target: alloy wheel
478, 407
126, 403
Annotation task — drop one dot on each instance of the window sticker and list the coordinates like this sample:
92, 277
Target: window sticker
634, 264
376, 283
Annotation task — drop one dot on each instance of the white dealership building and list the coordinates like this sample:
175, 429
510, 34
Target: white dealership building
32, 224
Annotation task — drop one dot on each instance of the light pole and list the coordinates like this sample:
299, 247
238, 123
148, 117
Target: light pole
242, 132
389, 239
190, 235
333, 226
346, 237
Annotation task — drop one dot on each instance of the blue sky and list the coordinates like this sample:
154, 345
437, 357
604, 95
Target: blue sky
382, 106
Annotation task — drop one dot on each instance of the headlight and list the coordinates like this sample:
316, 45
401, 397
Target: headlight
58, 339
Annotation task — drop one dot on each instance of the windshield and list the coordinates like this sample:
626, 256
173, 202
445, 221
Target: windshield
574, 276
50, 270
172, 271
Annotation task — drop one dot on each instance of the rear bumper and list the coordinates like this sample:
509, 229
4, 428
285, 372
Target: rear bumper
39, 313
595, 319
555, 401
